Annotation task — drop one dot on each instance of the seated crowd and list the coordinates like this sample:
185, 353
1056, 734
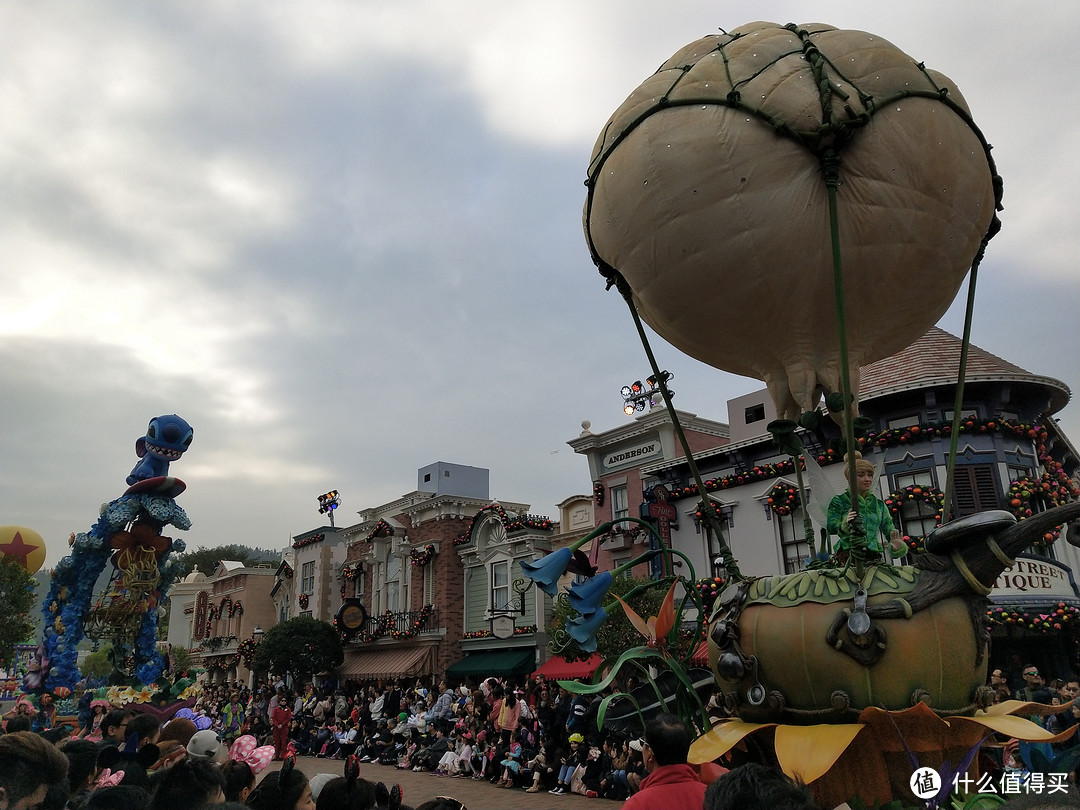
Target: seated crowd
533, 736
530, 735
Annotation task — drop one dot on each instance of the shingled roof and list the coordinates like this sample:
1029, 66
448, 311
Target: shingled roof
934, 359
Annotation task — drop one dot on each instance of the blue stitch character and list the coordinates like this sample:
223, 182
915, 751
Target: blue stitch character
166, 439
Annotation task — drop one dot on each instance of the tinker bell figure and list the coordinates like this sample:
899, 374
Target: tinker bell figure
876, 520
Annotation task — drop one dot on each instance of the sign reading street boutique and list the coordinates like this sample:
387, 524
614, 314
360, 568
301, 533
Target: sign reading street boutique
1035, 577
628, 455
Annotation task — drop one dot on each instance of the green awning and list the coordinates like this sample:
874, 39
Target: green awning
494, 662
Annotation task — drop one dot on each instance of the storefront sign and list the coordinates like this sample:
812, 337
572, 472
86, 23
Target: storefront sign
502, 626
632, 454
1035, 577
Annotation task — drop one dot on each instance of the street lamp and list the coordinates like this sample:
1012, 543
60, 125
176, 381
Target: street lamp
651, 392
328, 503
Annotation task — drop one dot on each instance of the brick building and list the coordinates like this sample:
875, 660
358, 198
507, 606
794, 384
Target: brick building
434, 565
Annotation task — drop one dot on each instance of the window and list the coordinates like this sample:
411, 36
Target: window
755, 413
500, 585
620, 503
792, 541
358, 583
917, 518
903, 422
429, 584
975, 489
307, 578
392, 567
1016, 473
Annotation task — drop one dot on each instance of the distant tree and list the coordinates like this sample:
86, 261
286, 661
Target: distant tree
208, 558
17, 595
299, 647
181, 659
97, 664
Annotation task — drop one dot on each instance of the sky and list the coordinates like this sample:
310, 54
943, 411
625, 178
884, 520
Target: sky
343, 239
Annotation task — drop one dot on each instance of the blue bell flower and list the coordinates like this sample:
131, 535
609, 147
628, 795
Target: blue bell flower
546, 571
587, 596
583, 629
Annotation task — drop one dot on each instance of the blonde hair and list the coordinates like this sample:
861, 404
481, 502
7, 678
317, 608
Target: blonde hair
861, 465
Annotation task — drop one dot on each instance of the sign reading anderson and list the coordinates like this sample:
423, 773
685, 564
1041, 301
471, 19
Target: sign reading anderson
650, 449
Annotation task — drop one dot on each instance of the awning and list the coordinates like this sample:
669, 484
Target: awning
390, 662
558, 667
494, 662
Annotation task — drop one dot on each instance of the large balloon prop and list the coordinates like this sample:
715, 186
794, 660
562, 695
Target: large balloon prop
24, 545
709, 199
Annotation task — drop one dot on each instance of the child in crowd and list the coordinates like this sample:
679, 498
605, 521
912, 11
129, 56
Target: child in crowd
464, 765
512, 764
568, 764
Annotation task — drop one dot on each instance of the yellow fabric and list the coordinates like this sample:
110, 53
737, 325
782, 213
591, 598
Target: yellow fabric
807, 752
724, 736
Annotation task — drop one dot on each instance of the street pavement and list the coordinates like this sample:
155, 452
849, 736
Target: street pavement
475, 795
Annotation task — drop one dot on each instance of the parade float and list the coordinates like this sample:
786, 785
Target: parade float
140, 564
763, 202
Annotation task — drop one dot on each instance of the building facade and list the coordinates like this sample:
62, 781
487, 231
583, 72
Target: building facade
431, 569
213, 616
1011, 455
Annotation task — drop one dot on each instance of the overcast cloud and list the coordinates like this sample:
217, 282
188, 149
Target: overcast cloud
343, 239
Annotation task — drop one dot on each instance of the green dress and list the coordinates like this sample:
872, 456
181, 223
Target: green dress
876, 518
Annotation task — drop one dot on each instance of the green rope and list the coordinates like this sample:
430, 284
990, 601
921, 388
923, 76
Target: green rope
708, 511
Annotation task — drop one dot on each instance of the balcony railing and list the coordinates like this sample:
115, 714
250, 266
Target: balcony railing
405, 624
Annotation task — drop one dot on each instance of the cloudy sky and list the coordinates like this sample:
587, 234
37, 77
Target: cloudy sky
343, 239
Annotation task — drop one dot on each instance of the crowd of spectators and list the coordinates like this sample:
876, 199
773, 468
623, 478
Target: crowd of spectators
528, 734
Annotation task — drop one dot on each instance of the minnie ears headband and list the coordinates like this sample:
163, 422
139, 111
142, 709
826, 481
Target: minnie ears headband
246, 749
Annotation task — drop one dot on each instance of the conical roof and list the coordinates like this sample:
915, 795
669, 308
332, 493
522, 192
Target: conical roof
934, 359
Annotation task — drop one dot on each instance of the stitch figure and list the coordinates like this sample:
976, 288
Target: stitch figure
166, 439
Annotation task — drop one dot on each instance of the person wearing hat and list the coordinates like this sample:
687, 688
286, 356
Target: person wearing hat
671, 781
876, 519
206, 746
569, 764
